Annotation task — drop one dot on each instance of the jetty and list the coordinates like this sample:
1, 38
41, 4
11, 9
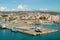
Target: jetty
31, 30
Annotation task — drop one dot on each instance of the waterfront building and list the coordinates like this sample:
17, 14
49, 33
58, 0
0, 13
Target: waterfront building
55, 17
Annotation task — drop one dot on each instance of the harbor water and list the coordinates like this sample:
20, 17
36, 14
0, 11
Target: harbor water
6, 34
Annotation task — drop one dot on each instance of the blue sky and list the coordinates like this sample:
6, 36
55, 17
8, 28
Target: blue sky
52, 5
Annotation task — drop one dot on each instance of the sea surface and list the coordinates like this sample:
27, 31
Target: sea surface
6, 34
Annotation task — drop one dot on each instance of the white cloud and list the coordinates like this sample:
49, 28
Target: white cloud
43, 9
13, 9
6, 9
3, 8
20, 7
23, 8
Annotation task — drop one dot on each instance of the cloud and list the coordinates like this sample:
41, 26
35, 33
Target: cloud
3, 8
18, 8
13, 9
22, 7
43, 9
6, 9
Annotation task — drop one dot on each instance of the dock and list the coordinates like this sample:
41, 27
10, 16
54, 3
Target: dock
31, 30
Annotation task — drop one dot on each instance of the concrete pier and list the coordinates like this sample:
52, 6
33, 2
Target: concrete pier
31, 30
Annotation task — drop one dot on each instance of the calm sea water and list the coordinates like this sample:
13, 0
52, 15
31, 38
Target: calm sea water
6, 34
